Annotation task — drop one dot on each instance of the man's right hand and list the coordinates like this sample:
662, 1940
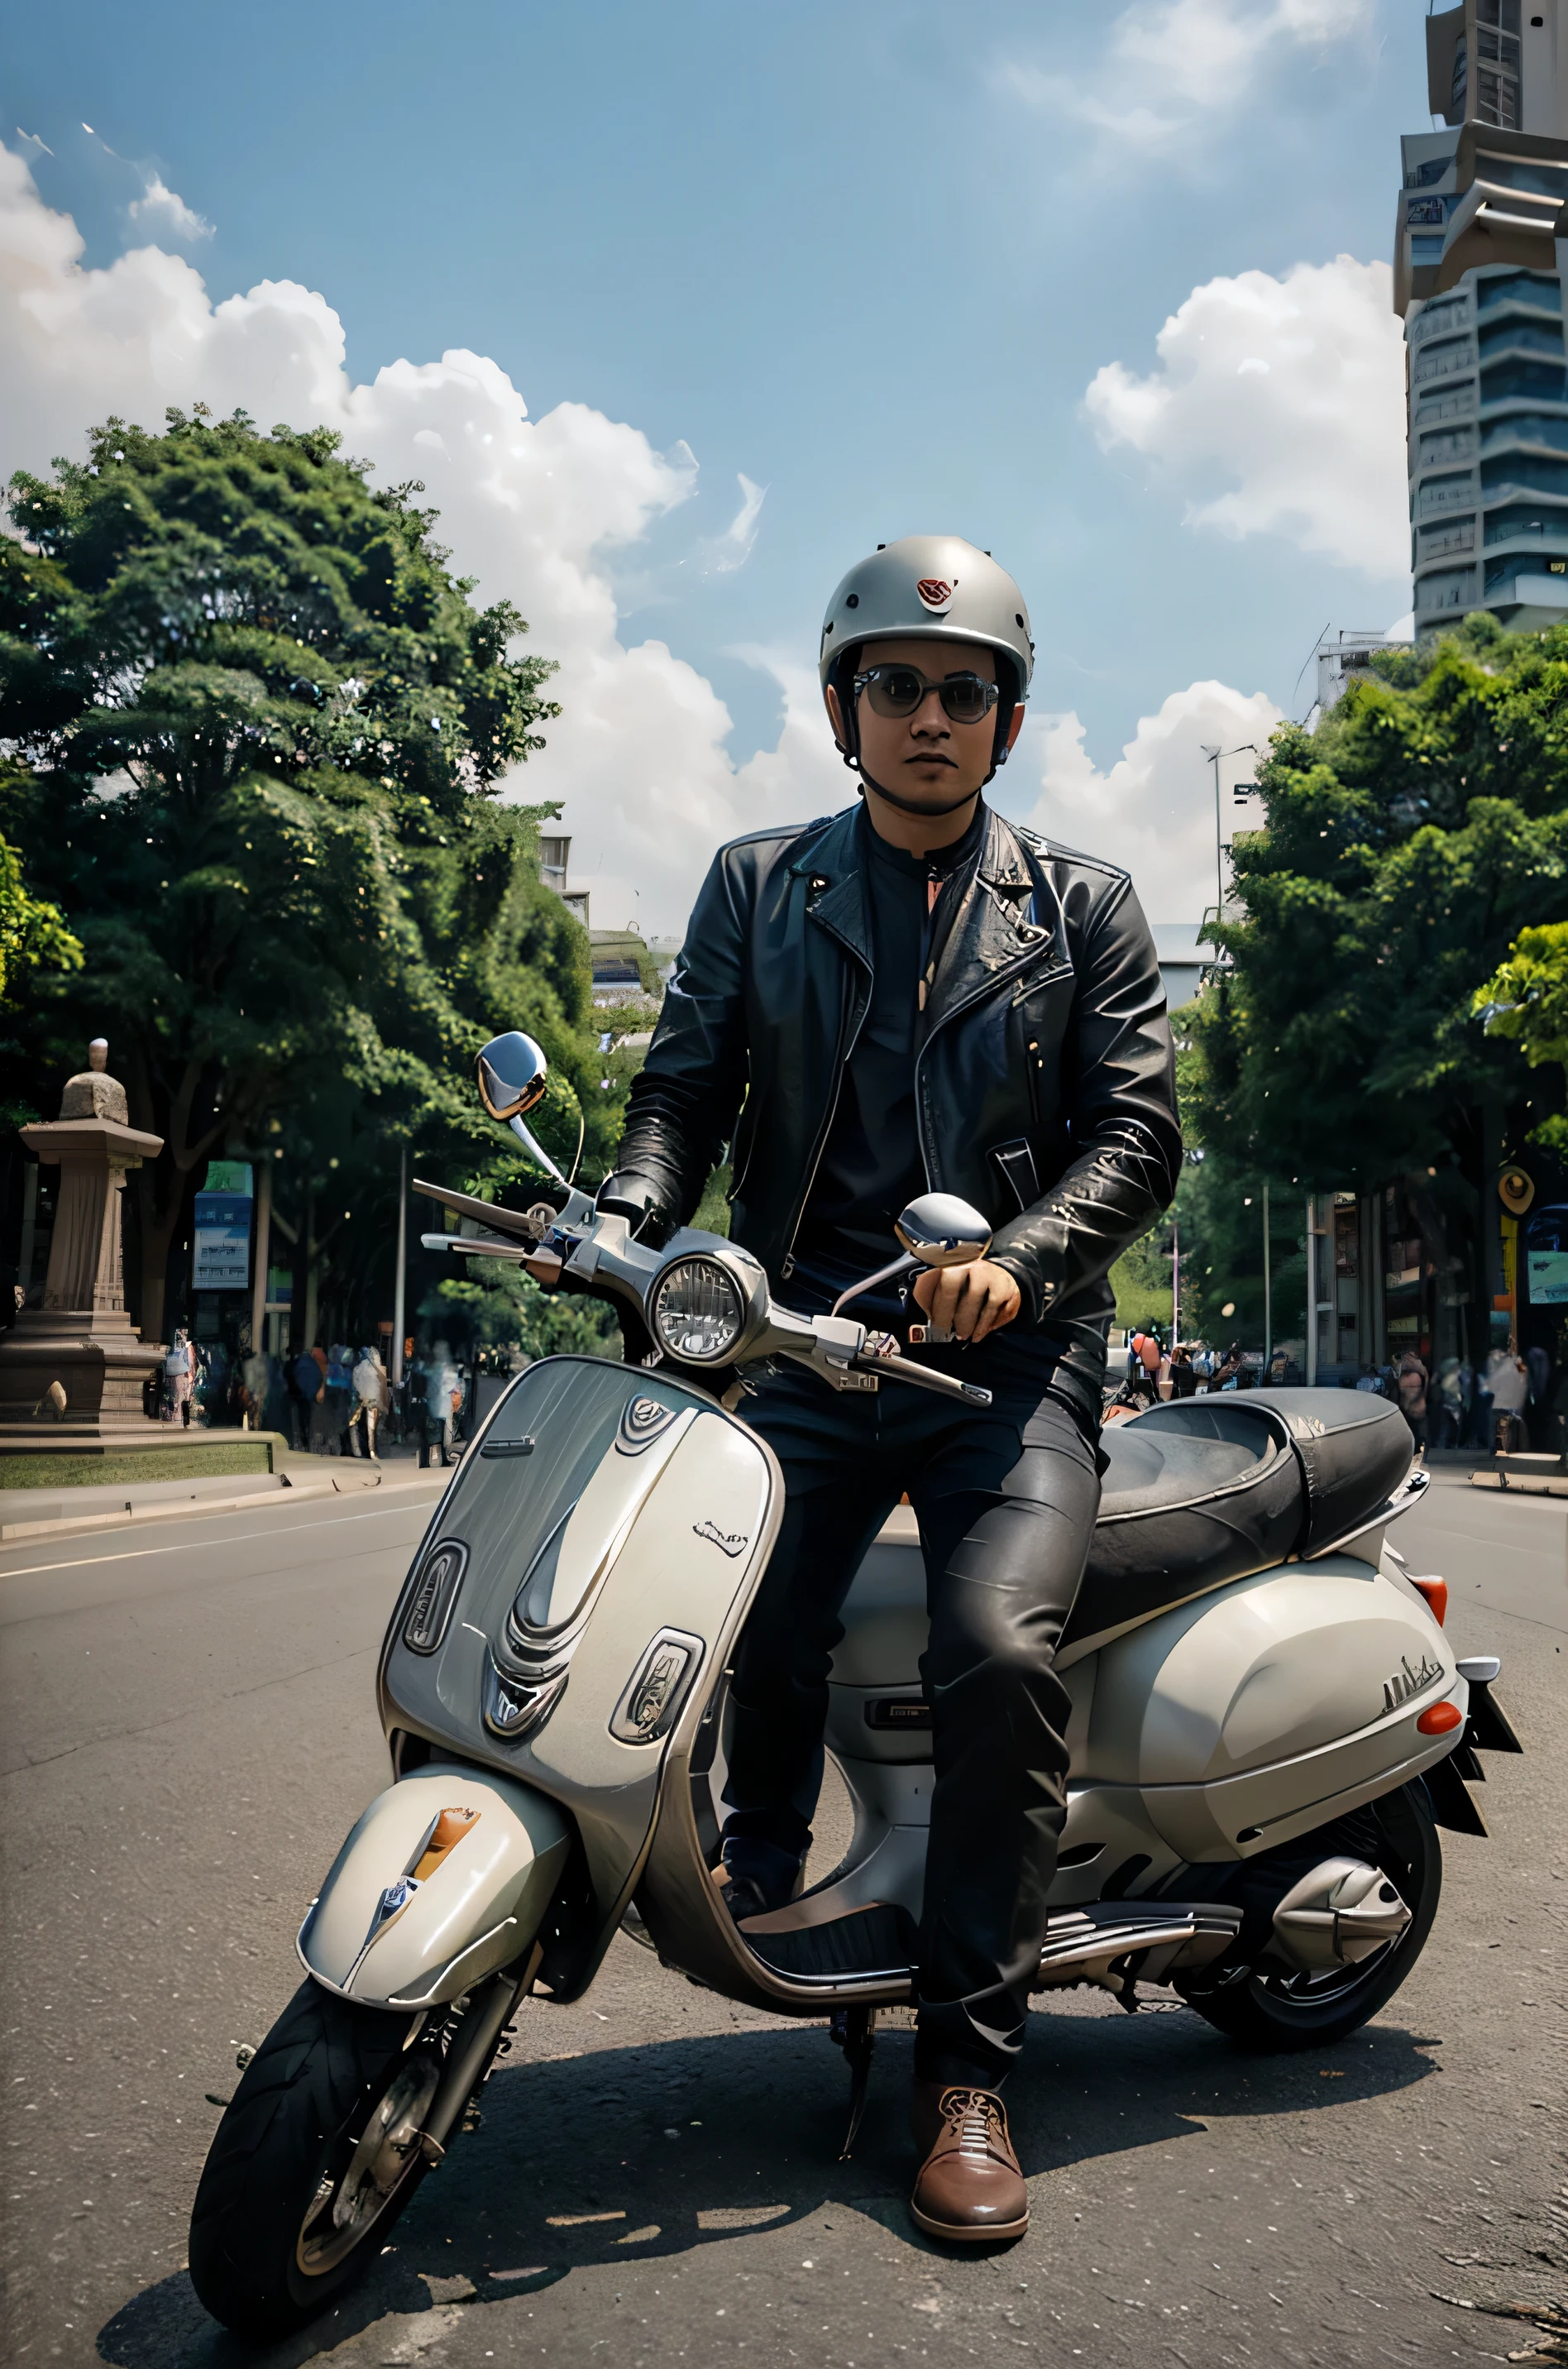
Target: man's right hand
635, 1198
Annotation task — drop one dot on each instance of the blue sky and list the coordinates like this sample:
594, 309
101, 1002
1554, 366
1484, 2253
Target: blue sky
868, 258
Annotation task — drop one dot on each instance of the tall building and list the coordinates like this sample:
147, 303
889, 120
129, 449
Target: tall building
1479, 256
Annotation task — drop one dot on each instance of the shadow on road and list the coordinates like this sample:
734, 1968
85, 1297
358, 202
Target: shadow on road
623, 2154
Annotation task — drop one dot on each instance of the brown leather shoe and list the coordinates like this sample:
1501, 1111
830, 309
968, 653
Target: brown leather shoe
968, 2188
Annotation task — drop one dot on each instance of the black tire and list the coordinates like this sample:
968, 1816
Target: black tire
291, 2125
1270, 2010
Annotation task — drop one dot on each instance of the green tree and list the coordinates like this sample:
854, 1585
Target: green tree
266, 729
1407, 841
33, 935
1527, 1000
507, 1310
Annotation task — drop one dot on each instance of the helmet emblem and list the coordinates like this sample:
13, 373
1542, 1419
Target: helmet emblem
934, 592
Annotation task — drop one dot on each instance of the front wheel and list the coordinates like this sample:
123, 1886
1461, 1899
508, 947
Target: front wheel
1268, 2008
314, 2159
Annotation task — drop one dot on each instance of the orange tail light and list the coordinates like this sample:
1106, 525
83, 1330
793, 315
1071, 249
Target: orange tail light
1440, 1719
1436, 1591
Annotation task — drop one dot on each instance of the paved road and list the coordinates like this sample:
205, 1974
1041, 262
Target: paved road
189, 1731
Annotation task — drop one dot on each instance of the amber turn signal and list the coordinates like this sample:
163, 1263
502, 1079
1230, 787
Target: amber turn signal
1440, 1719
1436, 1591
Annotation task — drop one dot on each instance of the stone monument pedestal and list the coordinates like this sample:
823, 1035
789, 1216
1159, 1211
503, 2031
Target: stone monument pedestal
71, 1372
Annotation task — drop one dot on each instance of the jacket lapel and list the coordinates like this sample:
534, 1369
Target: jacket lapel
993, 928
835, 887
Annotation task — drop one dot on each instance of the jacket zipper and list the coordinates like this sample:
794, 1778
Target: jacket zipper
998, 980
841, 1054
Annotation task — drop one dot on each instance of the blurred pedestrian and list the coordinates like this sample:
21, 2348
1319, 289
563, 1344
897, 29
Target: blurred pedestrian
369, 1399
339, 1396
310, 1381
1509, 1385
178, 1378
444, 1400
1413, 1395
254, 1380
1445, 1405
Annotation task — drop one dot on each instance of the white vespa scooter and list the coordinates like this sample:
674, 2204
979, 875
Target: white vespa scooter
1268, 1725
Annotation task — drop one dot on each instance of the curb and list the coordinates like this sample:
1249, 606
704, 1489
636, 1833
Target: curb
1519, 1484
291, 1492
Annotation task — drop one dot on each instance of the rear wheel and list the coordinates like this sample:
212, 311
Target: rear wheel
1271, 2008
314, 2160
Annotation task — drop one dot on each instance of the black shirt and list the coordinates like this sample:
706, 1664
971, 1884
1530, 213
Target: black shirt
871, 1164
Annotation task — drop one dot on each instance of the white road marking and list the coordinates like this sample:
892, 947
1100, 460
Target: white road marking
184, 1546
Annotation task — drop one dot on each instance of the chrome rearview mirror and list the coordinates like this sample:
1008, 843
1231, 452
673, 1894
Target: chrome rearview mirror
937, 1229
941, 1231
512, 1071
512, 1075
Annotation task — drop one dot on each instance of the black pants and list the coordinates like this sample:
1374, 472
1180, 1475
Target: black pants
1005, 1499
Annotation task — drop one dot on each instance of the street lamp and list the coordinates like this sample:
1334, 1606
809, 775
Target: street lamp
1214, 756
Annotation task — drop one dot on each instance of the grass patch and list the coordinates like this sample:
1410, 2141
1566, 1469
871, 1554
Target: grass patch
68, 1469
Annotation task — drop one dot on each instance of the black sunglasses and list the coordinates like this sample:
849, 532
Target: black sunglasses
898, 691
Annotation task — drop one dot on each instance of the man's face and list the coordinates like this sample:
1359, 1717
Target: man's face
925, 758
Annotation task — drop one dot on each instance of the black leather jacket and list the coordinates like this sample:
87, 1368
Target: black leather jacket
1046, 1084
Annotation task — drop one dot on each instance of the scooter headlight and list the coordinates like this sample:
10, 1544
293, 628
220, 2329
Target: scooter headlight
697, 1312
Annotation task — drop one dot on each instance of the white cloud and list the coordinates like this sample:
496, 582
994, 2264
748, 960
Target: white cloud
531, 508
732, 549
1170, 64
1154, 811
1278, 407
163, 212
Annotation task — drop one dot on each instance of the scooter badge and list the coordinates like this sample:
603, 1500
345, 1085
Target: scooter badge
730, 1542
646, 1711
642, 1422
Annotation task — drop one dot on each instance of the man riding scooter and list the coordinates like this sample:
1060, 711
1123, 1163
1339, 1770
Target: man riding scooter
918, 995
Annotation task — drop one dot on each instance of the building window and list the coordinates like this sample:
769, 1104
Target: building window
1529, 382
1438, 543
1461, 84
1443, 361
1528, 472
1446, 444
1525, 428
1496, 98
1539, 180
1455, 406
1520, 336
1447, 493
1440, 321
1521, 525
1542, 290
1452, 588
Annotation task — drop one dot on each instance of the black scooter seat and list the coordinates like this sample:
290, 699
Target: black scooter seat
1201, 1491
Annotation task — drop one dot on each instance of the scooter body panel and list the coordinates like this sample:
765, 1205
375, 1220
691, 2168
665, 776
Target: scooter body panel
634, 1515
410, 1918
1293, 1661
617, 1508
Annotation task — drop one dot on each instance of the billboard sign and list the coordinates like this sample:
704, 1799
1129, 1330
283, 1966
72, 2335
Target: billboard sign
1549, 1278
221, 1247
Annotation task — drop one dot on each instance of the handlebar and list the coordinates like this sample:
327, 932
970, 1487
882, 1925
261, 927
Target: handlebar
605, 1255
925, 1377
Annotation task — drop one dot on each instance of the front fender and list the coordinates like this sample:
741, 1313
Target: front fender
445, 1877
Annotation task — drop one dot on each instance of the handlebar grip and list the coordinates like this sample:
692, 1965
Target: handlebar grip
947, 1386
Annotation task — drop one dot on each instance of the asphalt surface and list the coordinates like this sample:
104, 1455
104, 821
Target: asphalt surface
189, 1731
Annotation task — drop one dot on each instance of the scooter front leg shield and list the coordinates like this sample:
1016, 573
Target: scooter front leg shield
446, 1877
